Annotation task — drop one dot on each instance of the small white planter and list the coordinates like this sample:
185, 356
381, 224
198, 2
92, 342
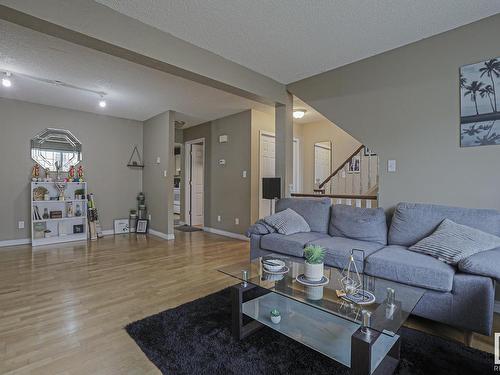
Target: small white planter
275, 319
313, 272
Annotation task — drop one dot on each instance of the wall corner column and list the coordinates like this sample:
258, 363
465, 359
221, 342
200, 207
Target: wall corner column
284, 144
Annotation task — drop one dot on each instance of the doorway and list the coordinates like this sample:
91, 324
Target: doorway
267, 155
195, 182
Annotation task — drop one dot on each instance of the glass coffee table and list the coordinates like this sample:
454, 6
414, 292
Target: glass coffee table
362, 337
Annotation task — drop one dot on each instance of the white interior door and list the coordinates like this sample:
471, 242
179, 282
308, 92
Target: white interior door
267, 160
322, 163
197, 173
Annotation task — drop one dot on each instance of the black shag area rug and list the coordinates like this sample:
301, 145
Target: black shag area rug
195, 338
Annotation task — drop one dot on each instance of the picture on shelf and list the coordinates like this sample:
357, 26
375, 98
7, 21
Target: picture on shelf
78, 228
121, 226
142, 226
479, 87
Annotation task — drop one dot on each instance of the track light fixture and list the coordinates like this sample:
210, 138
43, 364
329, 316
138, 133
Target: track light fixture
6, 82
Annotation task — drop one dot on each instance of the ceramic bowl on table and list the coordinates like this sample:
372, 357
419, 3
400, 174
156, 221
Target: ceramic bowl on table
273, 265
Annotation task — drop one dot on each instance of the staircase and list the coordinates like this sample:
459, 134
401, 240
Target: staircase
354, 182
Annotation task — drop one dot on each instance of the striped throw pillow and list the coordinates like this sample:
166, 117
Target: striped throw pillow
287, 222
452, 242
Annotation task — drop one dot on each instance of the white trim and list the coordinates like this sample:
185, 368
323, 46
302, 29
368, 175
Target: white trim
496, 307
226, 234
161, 234
108, 232
187, 184
21, 241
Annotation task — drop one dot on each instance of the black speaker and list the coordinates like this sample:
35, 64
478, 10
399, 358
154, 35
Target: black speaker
271, 187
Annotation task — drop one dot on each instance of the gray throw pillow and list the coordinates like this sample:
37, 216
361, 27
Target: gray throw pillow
287, 222
363, 224
452, 242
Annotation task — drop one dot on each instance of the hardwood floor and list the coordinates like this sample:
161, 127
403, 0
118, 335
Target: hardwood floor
63, 308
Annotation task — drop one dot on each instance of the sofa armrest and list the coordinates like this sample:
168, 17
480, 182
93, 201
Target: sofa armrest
486, 263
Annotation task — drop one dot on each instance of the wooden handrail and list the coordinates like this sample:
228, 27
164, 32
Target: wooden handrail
335, 196
341, 166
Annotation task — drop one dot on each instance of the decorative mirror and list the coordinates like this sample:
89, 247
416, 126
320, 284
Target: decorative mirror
56, 149
322, 161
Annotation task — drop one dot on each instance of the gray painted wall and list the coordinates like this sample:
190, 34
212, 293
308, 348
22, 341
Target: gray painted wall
405, 105
107, 145
226, 193
230, 196
158, 135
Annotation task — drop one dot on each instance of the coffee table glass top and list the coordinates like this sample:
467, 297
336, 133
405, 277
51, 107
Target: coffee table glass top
385, 318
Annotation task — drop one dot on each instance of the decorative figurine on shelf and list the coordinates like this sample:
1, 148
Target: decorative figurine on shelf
35, 173
58, 171
71, 174
78, 211
45, 213
69, 209
80, 174
47, 175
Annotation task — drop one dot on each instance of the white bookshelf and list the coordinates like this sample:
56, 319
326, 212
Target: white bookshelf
61, 229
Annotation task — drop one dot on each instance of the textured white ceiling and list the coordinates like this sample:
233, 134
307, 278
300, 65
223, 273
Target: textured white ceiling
134, 92
292, 39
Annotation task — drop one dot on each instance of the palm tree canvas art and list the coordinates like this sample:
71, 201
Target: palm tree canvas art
480, 103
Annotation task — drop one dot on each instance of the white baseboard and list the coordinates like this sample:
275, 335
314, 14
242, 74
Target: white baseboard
496, 307
21, 241
108, 232
226, 234
161, 235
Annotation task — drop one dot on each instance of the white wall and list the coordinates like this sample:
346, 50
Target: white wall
107, 145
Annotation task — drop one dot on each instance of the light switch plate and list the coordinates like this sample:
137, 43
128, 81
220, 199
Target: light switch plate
222, 161
20, 224
158, 160
223, 138
244, 174
219, 219
391, 165
236, 221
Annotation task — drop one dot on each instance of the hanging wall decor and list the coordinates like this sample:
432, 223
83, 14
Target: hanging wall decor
480, 103
135, 160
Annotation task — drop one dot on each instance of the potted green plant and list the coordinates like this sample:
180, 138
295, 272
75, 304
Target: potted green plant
315, 255
275, 316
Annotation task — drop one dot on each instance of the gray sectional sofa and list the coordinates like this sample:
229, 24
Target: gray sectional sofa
461, 296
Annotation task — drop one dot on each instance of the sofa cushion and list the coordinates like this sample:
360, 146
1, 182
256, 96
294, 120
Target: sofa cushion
315, 211
364, 224
486, 263
292, 244
287, 222
399, 264
413, 221
452, 242
338, 249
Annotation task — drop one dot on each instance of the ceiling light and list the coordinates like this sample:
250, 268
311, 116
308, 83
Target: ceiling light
102, 102
6, 82
299, 113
